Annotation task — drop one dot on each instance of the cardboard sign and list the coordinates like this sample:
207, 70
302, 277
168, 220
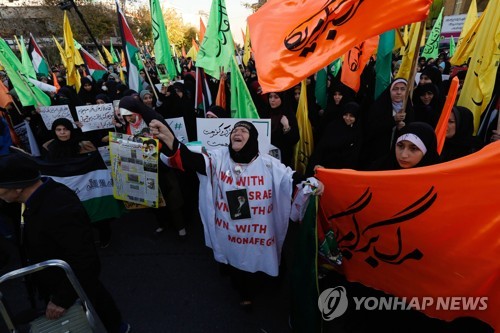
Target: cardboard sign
51, 113
214, 132
177, 125
95, 117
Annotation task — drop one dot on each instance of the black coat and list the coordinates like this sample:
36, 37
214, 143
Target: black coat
58, 227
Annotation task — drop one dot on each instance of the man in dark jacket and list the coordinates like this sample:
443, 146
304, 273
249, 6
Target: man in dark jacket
56, 226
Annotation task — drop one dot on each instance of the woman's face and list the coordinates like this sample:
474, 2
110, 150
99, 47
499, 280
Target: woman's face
427, 97
296, 94
100, 101
274, 100
87, 87
408, 154
148, 100
62, 133
337, 97
131, 118
424, 79
239, 137
452, 126
398, 92
349, 118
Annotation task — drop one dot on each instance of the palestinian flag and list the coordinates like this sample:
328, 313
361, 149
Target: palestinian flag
129, 45
37, 58
203, 96
91, 181
95, 68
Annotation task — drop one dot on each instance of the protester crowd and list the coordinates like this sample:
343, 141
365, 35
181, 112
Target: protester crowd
354, 131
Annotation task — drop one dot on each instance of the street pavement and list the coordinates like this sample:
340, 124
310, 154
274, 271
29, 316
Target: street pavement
162, 284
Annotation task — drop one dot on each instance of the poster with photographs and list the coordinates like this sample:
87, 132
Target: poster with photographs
239, 207
134, 167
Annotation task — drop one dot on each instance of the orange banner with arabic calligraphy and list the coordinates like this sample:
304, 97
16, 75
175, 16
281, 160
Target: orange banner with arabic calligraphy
315, 33
355, 61
424, 232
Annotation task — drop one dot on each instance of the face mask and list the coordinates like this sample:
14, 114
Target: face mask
104, 88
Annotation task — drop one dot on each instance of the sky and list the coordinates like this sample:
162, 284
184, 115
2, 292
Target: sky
189, 10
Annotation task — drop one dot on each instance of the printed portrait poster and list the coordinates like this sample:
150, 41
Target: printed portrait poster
51, 113
134, 167
239, 207
214, 132
95, 117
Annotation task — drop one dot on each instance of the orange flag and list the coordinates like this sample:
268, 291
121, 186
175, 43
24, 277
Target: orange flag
221, 94
56, 83
442, 125
426, 232
5, 97
195, 45
316, 33
202, 30
355, 61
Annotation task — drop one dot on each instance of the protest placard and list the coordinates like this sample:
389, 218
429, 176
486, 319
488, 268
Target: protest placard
95, 117
51, 113
214, 132
177, 125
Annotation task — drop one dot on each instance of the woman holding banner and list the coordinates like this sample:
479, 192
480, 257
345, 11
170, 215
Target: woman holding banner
248, 240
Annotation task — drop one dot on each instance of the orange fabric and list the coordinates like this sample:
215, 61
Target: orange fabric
355, 61
315, 33
5, 97
423, 232
56, 83
442, 125
202, 30
195, 45
220, 100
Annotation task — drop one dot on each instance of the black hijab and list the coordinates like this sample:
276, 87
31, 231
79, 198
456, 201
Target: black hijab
461, 144
133, 105
250, 149
62, 149
427, 113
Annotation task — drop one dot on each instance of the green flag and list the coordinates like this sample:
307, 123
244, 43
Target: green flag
334, 67
27, 93
305, 316
320, 90
452, 47
383, 66
432, 45
26, 61
113, 54
241, 102
163, 57
217, 47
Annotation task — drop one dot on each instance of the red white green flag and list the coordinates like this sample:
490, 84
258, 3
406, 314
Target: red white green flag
130, 48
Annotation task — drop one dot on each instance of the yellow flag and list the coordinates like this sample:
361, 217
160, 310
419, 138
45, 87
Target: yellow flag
483, 66
61, 52
192, 53
464, 50
108, 55
405, 40
399, 41
304, 148
72, 75
101, 59
409, 51
470, 19
246, 47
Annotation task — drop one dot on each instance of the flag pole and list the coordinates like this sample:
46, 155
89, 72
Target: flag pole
29, 89
149, 78
411, 78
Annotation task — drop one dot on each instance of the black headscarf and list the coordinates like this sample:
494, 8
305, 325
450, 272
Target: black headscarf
133, 105
433, 73
461, 144
87, 97
427, 113
426, 134
250, 149
62, 149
